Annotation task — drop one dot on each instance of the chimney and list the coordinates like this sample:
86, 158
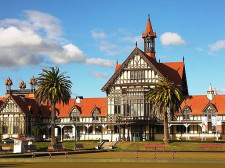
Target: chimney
79, 99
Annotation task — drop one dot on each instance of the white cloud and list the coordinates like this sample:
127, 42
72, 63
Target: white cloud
13, 36
38, 36
217, 46
98, 34
48, 23
70, 53
100, 62
98, 75
173, 39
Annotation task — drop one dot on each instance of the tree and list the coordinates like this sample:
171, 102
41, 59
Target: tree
39, 130
53, 87
167, 97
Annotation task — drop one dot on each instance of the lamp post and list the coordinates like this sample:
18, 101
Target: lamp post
74, 119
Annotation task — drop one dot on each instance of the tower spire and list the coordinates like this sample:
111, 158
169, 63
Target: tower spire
149, 39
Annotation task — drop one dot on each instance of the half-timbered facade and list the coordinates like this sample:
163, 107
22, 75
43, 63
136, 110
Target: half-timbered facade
125, 114
127, 89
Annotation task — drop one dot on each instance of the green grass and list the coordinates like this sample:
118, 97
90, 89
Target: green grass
43, 146
174, 146
110, 165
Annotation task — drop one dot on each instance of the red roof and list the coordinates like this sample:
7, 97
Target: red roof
63, 110
149, 29
197, 104
117, 67
22, 139
173, 71
88, 104
29, 106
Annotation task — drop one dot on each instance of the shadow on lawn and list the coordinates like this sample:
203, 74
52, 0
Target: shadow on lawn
4, 165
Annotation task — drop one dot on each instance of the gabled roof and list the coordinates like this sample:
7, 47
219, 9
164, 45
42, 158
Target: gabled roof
173, 71
152, 63
198, 103
29, 106
186, 107
95, 109
64, 109
87, 105
212, 106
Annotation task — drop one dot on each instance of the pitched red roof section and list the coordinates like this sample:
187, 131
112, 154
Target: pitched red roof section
29, 106
173, 71
117, 67
2, 100
149, 29
197, 104
88, 104
63, 110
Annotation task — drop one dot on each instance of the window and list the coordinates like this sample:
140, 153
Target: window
209, 112
5, 125
117, 109
15, 129
137, 75
186, 114
95, 114
5, 129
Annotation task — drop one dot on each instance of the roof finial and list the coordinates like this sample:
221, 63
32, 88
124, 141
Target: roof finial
183, 58
117, 62
159, 60
149, 16
136, 44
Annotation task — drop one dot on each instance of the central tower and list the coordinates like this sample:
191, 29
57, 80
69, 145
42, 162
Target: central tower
149, 39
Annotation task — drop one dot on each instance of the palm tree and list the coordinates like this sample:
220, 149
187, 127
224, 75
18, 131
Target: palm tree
166, 97
53, 87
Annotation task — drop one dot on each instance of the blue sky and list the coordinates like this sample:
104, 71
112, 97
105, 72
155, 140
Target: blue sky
85, 38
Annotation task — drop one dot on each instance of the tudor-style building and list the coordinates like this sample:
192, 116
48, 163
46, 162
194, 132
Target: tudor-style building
125, 114
127, 88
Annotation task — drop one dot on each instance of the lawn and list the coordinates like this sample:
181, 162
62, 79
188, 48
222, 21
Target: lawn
174, 146
43, 146
110, 165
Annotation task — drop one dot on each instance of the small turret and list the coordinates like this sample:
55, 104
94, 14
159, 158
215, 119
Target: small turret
8, 83
22, 85
33, 83
149, 39
210, 93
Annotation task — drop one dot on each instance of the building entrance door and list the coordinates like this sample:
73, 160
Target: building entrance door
136, 136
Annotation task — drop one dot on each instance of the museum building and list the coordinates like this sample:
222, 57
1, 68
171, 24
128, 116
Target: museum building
125, 114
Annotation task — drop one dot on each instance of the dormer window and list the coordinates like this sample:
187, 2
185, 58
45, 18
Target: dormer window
209, 111
186, 113
74, 113
95, 114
